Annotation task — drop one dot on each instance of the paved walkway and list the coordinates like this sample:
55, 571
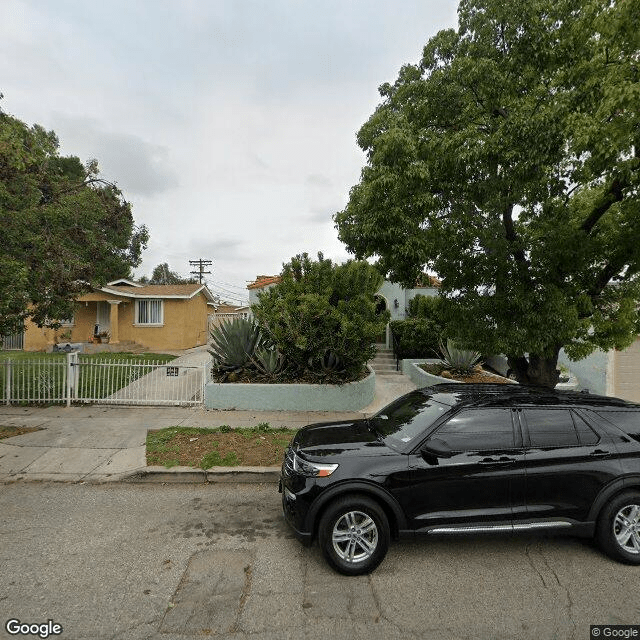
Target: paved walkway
99, 443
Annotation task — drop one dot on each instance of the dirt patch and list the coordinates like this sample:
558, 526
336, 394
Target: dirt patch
250, 376
9, 432
258, 446
478, 375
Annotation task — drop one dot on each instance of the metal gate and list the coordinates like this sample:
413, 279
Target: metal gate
136, 383
82, 379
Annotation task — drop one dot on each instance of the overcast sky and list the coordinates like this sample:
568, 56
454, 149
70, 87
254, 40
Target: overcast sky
229, 124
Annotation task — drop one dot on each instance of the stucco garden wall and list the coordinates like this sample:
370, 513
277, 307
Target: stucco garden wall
420, 377
351, 396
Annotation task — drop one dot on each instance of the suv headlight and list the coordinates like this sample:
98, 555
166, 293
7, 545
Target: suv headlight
312, 469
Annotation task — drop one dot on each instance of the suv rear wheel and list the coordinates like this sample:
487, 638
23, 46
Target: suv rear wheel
354, 535
618, 529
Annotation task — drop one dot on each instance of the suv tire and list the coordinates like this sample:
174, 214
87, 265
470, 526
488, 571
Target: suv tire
618, 529
354, 535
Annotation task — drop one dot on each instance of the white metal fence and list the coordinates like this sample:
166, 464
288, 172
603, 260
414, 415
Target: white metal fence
33, 380
81, 379
13, 342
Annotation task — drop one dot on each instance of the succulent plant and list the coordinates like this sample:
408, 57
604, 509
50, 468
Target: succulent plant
268, 361
233, 343
329, 362
458, 360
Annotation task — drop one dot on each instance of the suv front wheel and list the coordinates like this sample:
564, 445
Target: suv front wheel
619, 528
354, 535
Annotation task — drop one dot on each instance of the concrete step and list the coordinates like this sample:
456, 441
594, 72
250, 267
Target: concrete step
382, 369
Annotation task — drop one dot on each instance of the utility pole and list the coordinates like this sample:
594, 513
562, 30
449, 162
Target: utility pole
201, 265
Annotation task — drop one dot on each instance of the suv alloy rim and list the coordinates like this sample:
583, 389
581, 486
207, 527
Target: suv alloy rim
355, 537
626, 528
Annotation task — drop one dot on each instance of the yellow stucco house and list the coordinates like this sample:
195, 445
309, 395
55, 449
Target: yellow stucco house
158, 317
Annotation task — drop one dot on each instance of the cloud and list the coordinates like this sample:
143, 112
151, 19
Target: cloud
218, 249
318, 180
138, 167
321, 215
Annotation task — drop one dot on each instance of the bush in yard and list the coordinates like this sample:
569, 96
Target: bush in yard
431, 307
322, 317
416, 337
420, 334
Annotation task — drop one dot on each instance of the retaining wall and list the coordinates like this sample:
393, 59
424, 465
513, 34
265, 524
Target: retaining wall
351, 396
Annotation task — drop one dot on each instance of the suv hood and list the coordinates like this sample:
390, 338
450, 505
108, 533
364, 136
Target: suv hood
341, 438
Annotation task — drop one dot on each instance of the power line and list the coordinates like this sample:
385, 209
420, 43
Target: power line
233, 286
242, 303
234, 293
201, 264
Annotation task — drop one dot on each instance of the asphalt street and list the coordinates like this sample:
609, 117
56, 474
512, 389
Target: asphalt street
177, 562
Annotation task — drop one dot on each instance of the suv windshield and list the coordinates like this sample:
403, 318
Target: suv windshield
403, 420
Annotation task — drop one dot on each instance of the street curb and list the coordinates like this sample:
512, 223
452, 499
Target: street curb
248, 475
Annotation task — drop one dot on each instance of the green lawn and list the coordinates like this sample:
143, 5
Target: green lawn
39, 377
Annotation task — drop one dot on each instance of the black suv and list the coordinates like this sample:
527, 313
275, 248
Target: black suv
462, 458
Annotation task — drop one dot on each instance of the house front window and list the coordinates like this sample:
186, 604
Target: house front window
149, 312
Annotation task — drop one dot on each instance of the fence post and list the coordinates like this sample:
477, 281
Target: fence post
76, 375
8, 381
69, 374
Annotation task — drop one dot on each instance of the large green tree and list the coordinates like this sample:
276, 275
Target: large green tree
63, 228
508, 161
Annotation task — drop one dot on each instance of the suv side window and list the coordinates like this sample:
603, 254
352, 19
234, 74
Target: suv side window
551, 428
586, 434
478, 430
627, 420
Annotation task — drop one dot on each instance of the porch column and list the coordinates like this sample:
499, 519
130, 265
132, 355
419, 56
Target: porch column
113, 319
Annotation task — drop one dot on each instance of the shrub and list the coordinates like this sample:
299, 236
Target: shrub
417, 337
430, 307
322, 317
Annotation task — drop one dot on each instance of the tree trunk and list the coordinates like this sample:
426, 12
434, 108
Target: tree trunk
535, 370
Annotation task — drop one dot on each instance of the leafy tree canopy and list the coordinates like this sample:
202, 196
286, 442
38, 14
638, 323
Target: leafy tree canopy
162, 274
508, 161
64, 230
322, 317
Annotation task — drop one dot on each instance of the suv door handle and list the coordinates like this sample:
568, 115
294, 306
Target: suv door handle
495, 460
600, 453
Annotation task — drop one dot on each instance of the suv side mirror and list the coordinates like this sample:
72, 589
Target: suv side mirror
438, 448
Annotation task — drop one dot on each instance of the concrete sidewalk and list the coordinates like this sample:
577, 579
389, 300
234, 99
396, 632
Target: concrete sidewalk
98, 443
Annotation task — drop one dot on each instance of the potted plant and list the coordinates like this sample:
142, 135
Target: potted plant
104, 336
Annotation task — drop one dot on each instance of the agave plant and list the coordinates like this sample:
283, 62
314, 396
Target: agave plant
233, 343
268, 361
457, 360
331, 362
328, 362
